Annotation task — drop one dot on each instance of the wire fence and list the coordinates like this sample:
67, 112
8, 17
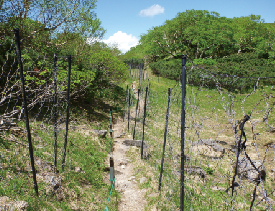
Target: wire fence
34, 105
229, 145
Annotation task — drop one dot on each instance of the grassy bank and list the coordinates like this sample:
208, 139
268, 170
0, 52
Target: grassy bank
210, 114
83, 185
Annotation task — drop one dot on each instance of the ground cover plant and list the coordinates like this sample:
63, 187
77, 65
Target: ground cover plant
213, 116
82, 183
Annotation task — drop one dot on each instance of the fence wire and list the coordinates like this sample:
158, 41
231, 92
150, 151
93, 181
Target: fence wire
46, 87
229, 140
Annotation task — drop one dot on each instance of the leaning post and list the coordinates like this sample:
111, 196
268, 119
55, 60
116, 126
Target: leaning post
25, 106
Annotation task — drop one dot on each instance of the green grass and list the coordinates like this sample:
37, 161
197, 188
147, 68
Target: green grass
210, 113
85, 190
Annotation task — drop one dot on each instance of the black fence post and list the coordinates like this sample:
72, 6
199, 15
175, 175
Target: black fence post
144, 117
126, 99
55, 112
129, 102
130, 70
165, 135
112, 170
183, 130
134, 133
140, 75
25, 107
143, 72
111, 122
68, 113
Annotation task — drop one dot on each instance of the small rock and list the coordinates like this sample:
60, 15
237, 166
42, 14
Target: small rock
132, 178
4, 199
100, 133
218, 188
209, 148
246, 170
20, 205
143, 180
122, 162
51, 179
121, 135
195, 170
137, 143
77, 169
17, 205
171, 192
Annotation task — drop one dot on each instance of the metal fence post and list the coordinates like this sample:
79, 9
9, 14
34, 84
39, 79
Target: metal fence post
144, 117
68, 113
25, 107
129, 102
55, 112
126, 98
111, 122
183, 130
165, 134
134, 133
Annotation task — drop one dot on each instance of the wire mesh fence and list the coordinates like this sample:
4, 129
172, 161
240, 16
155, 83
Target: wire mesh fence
34, 106
229, 148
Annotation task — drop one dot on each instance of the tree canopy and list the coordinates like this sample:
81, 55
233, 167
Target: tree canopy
56, 16
204, 34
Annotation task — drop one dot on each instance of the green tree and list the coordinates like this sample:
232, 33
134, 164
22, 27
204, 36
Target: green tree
56, 16
204, 34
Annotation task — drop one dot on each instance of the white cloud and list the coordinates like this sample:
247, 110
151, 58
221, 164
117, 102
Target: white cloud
152, 11
124, 41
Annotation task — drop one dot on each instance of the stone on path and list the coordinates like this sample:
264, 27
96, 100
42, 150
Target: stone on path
137, 143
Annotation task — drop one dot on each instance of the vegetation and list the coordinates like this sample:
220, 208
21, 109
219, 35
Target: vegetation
48, 29
241, 47
210, 114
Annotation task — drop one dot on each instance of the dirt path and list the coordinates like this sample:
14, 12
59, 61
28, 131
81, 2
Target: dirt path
132, 198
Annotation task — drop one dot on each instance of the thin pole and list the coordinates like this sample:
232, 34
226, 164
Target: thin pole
112, 170
165, 134
18, 52
144, 117
111, 122
129, 102
134, 133
68, 113
55, 112
140, 75
126, 95
183, 131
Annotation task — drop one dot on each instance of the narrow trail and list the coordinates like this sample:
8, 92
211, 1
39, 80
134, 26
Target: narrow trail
132, 198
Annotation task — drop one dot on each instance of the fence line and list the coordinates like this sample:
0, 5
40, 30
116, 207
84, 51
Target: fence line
214, 158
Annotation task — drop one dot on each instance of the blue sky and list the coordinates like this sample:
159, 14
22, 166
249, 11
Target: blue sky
126, 20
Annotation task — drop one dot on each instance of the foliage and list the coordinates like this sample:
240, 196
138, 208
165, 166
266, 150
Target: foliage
203, 34
108, 67
238, 66
58, 16
242, 65
172, 68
